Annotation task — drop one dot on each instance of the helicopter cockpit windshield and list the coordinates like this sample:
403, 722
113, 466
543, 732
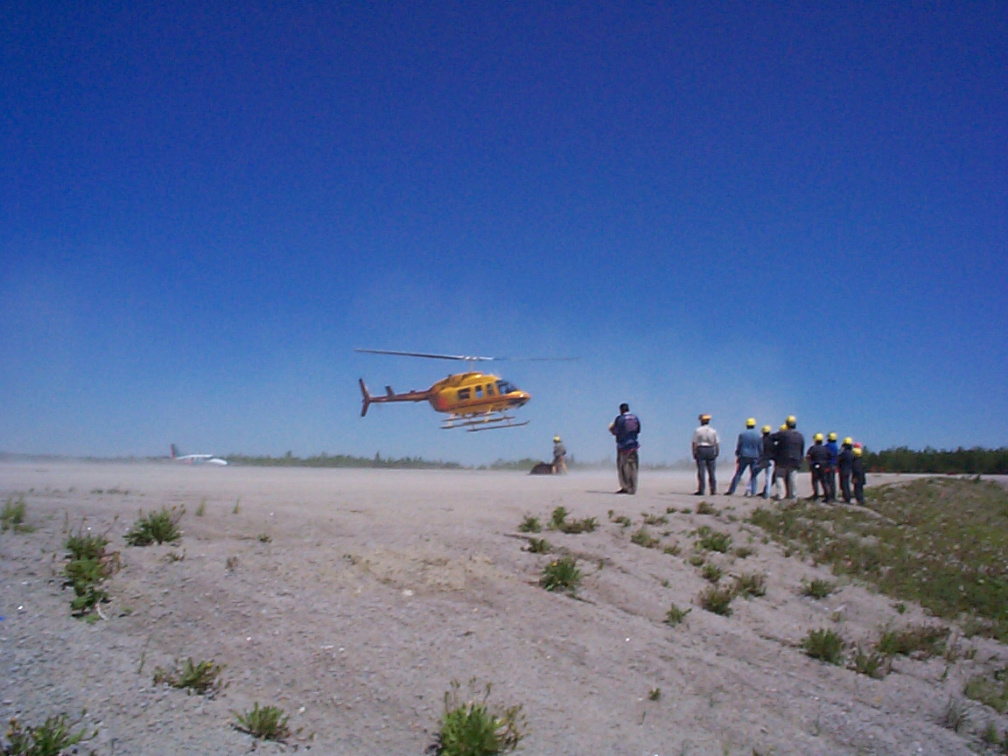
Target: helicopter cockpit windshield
505, 387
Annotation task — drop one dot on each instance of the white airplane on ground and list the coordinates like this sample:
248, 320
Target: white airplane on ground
196, 459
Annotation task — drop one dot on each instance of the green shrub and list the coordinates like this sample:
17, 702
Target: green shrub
266, 723
561, 575
472, 728
825, 645
83, 545
705, 508
557, 518
88, 567
156, 527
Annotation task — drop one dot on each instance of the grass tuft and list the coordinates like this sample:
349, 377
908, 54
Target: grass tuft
643, 537
750, 584
530, 525
918, 642
54, 737
12, 516
713, 540
539, 546
717, 600
817, 589
869, 662
202, 678
265, 723
561, 575
470, 727
156, 527
675, 615
825, 645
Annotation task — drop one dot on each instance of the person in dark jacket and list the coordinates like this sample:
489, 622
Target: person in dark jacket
845, 462
818, 461
831, 471
625, 427
858, 475
763, 462
747, 451
790, 446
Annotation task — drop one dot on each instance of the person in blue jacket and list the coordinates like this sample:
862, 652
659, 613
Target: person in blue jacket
625, 427
747, 451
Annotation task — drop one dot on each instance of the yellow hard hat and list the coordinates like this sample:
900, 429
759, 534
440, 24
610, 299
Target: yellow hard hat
750, 423
832, 436
848, 441
791, 421
784, 427
817, 437
766, 428
704, 418
556, 439
857, 451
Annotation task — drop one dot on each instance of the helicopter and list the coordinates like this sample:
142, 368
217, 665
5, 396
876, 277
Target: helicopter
472, 400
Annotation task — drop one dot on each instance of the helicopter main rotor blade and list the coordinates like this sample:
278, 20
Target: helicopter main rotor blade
459, 357
466, 357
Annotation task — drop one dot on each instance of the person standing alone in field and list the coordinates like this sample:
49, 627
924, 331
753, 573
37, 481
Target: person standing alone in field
559, 456
625, 427
706, 447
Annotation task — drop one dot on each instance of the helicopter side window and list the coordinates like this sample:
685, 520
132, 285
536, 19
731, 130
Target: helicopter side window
463, 394
490, 389
503, 387
479, 392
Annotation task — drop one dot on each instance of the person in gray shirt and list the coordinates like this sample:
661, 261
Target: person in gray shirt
706, 447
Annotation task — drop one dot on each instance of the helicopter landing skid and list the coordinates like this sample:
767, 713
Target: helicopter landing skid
490, 422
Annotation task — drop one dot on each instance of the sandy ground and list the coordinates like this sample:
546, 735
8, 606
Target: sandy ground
352, 598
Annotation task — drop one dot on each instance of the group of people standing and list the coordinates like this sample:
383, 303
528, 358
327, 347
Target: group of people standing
777, 455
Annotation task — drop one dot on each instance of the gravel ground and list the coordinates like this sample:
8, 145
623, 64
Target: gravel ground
351, 599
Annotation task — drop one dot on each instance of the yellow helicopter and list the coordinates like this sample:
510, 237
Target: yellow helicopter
472, 400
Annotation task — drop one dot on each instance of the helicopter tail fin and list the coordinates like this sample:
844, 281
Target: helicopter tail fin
366, 397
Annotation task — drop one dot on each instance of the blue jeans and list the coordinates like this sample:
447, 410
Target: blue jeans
706, 463
740, 467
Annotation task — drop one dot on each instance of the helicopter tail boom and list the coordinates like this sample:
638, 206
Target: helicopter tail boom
390, 396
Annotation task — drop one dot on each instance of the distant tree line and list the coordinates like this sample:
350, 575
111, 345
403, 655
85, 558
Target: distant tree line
343, 460
974, 461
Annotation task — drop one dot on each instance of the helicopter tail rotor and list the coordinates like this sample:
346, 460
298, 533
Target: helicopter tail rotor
366, 397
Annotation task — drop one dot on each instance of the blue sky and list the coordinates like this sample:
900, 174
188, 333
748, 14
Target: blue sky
741, 209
